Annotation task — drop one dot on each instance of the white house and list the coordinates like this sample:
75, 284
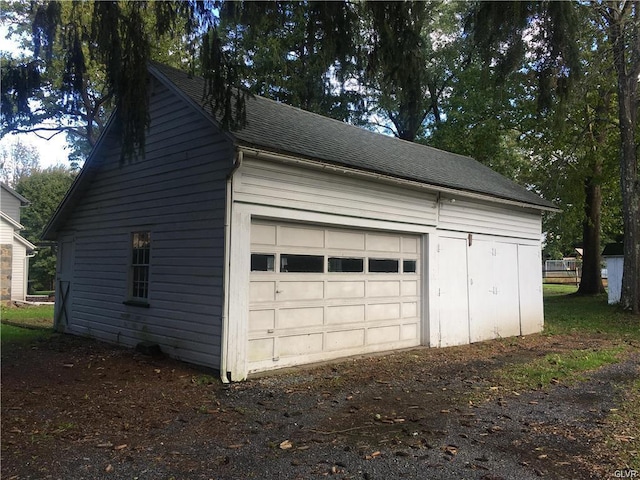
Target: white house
16, 250
295, 239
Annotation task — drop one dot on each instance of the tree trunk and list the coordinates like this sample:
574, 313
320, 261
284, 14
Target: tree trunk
623, 25
591, 281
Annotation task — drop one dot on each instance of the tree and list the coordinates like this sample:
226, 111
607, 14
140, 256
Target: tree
410, 57
504, 29
44, 189
622, 22
18, 160
299, 53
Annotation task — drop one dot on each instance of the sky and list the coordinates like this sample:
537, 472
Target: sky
52, 152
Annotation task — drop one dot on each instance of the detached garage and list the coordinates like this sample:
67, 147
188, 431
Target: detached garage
293, 240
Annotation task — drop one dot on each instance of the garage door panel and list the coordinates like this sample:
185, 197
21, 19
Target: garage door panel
348, 289
300, 317
409, 309
261, 349
299, 345
262, 320
388, 334
345, 339
410, 244
383, 288
263, 234
345, 314
384, 311
409, 288
301, 237
409, 331
383, 243
345, 240
300, 290
262, 291
331, 292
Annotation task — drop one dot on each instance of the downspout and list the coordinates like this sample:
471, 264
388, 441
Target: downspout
227, 268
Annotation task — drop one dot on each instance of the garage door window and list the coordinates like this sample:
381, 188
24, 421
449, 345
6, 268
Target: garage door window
346, 265
383, 265
262, 263
302, 263
409, 266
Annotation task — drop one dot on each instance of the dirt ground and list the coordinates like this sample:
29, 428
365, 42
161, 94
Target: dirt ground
79, 409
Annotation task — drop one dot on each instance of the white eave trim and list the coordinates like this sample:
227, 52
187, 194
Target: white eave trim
380, 177
14, 224
24, 241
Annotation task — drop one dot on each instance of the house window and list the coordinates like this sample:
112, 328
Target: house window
302, 263
262, 263
140, 260
348, 265
383, 265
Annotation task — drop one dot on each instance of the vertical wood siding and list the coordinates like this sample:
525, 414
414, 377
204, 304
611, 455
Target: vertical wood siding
177, 192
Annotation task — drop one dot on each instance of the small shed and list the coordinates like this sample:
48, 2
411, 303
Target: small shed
613, 255
295, 239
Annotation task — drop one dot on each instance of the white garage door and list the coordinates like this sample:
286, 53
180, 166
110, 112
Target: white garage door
318, 293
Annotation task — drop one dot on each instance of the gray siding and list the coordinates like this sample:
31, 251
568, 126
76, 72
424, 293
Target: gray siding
10, 205
178, 193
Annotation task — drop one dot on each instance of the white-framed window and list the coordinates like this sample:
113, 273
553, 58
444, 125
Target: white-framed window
140, 265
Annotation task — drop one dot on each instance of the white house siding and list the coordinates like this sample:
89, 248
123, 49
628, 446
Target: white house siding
476, 216
177, 192
19, 271
6, 231
268, 183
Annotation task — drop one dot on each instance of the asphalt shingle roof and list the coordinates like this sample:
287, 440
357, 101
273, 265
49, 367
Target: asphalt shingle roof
280, 128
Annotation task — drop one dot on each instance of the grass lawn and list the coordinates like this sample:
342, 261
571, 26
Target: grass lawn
566, 313
30, 316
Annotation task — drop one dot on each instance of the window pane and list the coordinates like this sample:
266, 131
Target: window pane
302, 263
140, 259
383, 265
337, 264
409, 266
262, 263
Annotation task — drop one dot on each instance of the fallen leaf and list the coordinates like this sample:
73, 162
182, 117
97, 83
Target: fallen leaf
109, 468
451, 450
286, 445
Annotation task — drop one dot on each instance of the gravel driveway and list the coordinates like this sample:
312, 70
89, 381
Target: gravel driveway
78, 409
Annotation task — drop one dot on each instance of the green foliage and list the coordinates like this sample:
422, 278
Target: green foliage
44, 189
299, 53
